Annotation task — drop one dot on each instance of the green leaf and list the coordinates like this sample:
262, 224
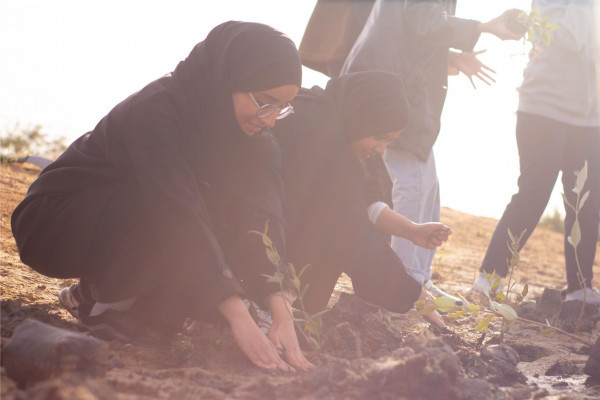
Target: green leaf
472, 307
292, 270
444, 304
302, 270
484, 324
500, 296
496, 283
277, 277
507, 311
575, 237
429, 308
525, 290
511, 236
266, 227
583, 199
458, 313
581, 178
304, 291
419, 304
546, 38
267, 240
273, 256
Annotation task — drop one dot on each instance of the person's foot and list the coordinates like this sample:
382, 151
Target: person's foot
73, 298
591, 296
437, 292
483, 285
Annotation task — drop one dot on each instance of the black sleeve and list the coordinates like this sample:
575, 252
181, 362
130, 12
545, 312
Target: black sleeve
378, 184
430, 21
255, 187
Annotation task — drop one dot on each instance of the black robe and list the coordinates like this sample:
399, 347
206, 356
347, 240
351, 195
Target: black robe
326, 190
148, 201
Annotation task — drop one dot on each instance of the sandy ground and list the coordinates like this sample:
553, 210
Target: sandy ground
368, 352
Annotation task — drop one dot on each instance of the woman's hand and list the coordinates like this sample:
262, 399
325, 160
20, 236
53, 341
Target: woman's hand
248, 336
498, 28
430, 235
283, 333
469, 64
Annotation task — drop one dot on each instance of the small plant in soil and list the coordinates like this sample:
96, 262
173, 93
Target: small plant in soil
312, 324
497, 299
575, 237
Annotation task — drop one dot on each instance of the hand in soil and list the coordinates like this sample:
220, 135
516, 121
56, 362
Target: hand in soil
498, 28
469, 64
283, 334
248, 336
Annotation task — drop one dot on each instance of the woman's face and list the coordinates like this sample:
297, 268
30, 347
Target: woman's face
245, 107
366, 147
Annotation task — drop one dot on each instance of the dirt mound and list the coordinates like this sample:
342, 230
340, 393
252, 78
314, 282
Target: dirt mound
367, 352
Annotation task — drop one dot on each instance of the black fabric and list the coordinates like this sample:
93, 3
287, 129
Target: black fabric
324, 206
130, 206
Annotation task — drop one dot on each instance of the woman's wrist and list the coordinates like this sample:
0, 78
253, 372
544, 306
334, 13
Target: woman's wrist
233, 308
280, 305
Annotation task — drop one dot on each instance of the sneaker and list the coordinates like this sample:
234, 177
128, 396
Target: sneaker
123, 326
73, 298
437, 292
591, 296
482, 284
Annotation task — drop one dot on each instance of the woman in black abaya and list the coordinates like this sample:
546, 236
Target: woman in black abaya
151, 209
327, 192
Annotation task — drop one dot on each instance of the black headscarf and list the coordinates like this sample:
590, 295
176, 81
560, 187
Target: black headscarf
235, 56
368, 103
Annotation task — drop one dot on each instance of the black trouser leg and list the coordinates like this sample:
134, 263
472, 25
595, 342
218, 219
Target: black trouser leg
541, 147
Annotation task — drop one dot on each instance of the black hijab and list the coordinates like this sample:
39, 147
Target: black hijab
368, 103
235, 56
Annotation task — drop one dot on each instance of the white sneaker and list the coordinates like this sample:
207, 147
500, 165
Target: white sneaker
591, 296
437, 292
482, 285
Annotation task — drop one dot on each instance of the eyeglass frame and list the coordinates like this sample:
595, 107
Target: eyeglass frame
267, 109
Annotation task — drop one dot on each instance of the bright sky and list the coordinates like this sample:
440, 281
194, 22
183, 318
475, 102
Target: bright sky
65, 63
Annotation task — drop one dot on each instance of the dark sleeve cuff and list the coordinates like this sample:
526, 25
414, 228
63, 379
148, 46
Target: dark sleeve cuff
466, 34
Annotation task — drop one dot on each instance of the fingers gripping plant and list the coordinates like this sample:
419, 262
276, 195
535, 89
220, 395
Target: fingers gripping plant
311, 323
575, 237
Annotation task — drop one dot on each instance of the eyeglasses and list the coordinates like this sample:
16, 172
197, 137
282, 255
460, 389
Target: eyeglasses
267, 109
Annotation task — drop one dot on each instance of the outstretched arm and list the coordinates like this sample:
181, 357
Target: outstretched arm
428, 235
497, 27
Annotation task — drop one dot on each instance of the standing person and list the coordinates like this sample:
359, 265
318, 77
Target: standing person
413, 38
327, 193
151, 209
557, 130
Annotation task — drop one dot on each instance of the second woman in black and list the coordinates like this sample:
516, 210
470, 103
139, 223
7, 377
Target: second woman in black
327, 192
